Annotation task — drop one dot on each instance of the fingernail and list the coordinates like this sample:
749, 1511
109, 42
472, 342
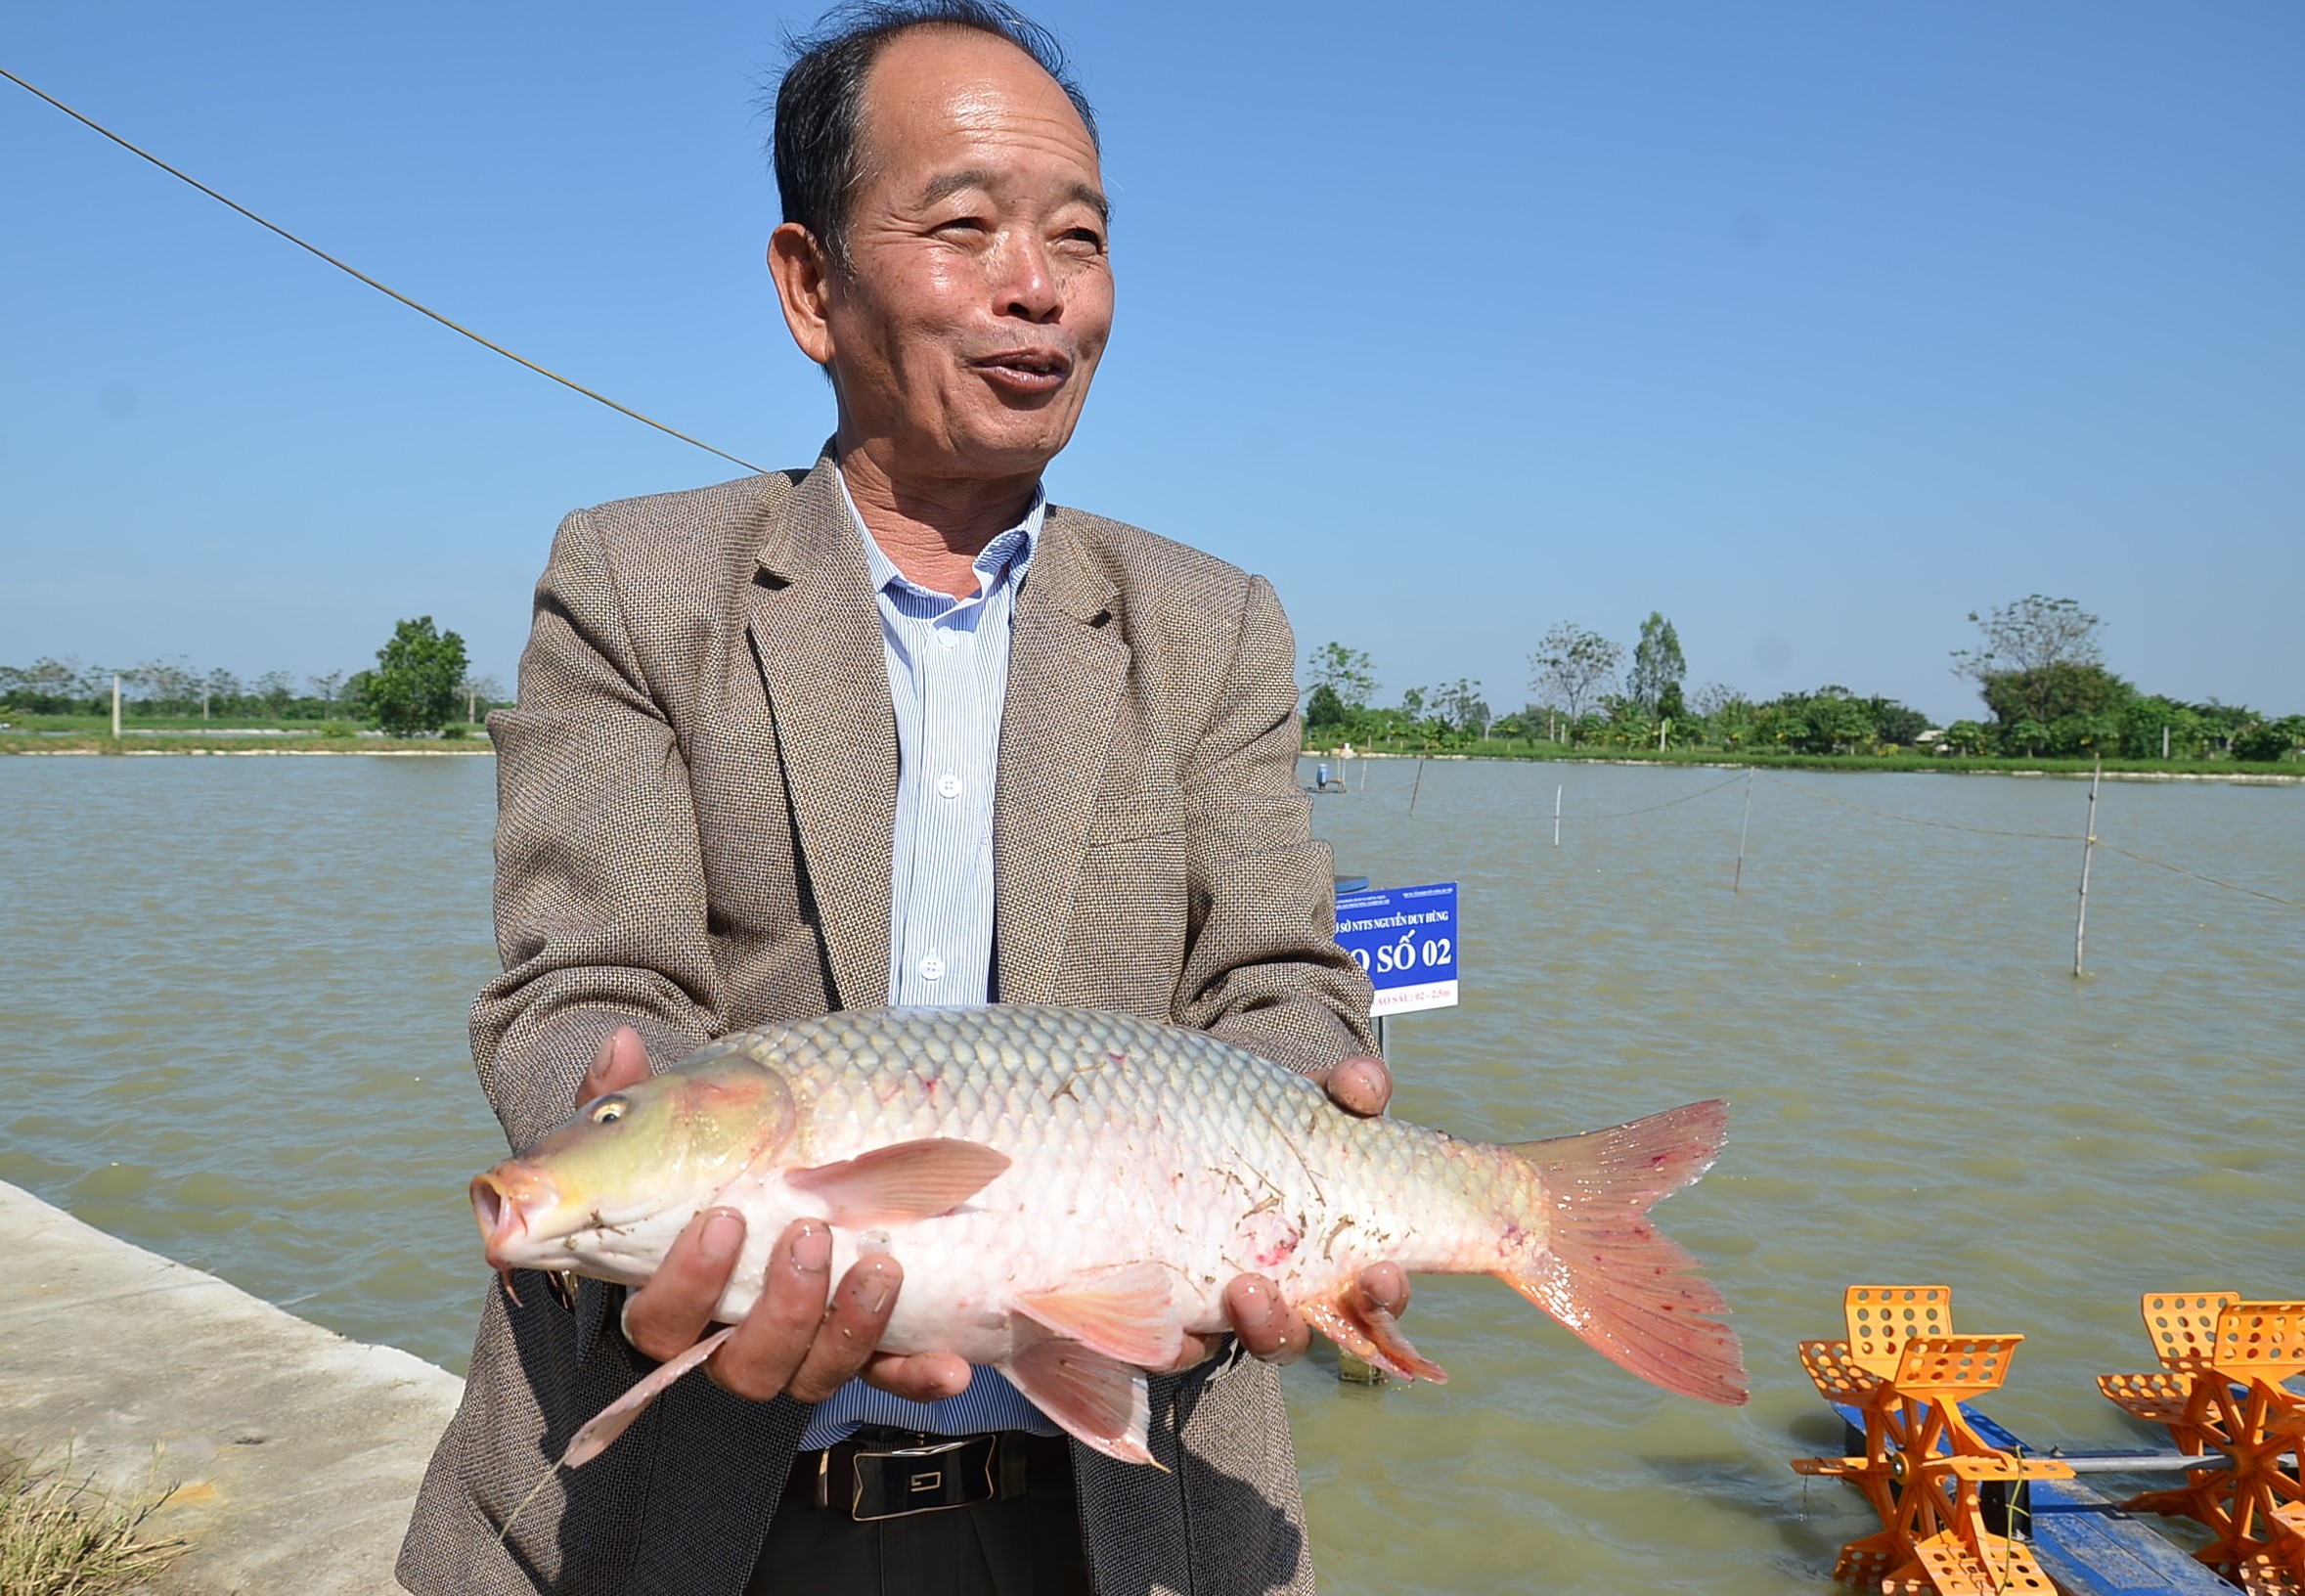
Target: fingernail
875, 1292
812, 1250
722, 1237
1256, 1298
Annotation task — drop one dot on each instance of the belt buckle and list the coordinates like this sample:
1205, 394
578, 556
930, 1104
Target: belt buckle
909, 1480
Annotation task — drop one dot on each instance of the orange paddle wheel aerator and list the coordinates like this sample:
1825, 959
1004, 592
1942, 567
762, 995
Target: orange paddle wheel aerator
1923, 1468
2221, 1388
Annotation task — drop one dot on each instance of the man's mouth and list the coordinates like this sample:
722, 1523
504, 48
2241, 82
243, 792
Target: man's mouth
1026, 371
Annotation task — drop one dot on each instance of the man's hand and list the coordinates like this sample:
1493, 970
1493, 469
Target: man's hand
1268, 1327
1360, 1085
791, 1342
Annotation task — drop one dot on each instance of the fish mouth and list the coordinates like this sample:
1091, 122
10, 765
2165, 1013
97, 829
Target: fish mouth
502, 1201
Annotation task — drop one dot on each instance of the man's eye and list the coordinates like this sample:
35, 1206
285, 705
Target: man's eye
963, 224
1086, 236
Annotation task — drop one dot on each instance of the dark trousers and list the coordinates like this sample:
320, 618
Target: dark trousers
1022, 1545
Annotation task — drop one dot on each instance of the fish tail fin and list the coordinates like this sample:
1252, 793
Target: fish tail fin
1599, 1264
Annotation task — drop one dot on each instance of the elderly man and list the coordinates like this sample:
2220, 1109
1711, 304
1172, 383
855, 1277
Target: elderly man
890, 729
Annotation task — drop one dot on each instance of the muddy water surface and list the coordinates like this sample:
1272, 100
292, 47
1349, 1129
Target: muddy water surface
233, 992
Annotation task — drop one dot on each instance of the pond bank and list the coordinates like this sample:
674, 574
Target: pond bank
295, 1453
2069, 770
136, 748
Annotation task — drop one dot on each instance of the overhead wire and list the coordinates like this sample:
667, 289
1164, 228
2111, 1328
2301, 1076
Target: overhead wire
597, 397
382, 289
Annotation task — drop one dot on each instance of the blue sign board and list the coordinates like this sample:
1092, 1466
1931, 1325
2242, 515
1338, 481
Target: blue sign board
1404, 938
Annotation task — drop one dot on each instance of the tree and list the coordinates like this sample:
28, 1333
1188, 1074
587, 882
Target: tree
479, 693
1323, 709
2029, 644
274, 688
2151, 722
2220, 723
164, 686
1893, 722
2270, 739
1828, 720
220, 690
2076, 707
1343, 671
1968, 738
53, 687
1570, 664
413, 687
1461, 706
1658, 668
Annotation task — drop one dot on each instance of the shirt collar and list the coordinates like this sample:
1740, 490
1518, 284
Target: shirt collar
1004, 559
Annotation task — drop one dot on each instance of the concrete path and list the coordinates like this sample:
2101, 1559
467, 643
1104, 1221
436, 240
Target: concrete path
295, 1453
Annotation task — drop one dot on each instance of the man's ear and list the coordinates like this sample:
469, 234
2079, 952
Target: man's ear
803, 275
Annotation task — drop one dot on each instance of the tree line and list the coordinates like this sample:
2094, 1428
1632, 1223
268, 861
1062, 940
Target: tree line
2038, 666
420, 682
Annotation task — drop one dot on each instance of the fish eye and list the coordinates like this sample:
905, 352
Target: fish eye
609, 1110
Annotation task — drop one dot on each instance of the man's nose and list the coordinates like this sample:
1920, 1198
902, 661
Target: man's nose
1025, 283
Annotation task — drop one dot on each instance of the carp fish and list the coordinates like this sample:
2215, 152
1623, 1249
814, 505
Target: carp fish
1069, 1190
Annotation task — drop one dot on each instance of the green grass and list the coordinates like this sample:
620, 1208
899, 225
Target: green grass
190, 735
62, 1538
20, 721
1770, 759
132, 724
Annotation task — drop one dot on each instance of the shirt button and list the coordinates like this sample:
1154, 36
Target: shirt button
948, 785
932, 968
947, 638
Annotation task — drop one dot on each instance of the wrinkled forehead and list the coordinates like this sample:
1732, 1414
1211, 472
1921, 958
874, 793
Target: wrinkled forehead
950, 106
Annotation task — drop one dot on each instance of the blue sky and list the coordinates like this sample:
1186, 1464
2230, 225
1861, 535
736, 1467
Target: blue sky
1813, 326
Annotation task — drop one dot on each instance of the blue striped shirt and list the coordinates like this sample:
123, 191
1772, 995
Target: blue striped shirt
948, 674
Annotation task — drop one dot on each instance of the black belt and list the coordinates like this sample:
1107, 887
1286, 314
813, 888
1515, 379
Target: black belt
888, 1473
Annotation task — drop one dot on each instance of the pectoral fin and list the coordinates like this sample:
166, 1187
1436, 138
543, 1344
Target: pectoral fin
901, 1183
1099, 1402
617, 1417
1124, 1314
1372, 1334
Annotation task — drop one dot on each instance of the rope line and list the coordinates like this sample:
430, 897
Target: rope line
1909, 819
390, 293
2178, 869
2043, 836
1620, 813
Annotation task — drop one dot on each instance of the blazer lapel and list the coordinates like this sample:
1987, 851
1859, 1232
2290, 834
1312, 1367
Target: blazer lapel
1066, 665
816, 631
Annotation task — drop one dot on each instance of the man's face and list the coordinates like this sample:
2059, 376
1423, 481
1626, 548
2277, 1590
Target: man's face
979, 291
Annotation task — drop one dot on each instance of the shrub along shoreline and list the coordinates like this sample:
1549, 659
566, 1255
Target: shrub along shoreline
131, 743
2282, 773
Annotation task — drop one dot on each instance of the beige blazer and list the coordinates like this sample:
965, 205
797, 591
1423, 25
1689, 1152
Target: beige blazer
695, 802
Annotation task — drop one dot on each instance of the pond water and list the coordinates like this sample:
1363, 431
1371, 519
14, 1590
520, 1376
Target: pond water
233, 991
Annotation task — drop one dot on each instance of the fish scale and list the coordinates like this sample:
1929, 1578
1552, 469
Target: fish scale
1070, 1191
1100, 1092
